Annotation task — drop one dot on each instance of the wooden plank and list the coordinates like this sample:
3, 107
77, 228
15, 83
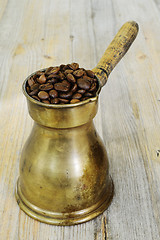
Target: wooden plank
37, 34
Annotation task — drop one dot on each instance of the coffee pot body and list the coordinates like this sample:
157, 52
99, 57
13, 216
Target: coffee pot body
64, 170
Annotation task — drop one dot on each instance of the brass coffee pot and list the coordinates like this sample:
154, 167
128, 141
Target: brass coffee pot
64, 170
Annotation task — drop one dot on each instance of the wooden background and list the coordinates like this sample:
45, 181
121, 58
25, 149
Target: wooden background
41, 33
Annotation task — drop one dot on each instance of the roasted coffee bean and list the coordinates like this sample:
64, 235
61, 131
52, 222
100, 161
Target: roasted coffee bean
74, 100
53, 76
33, 92
41, 79
61, 75
55, 100
88, 94
53, 80
83, 83
85, 74
74, 66
27, 89
62, 66
46, 87
35, 77
68, 71
65, 67
54, 70
37, 98
71, 78
48, 70
88, 79
77, 95
74, 88
93, 87
81, 91
63, 86
43, 95
66, 95
39, 73
90, 73
62, 100
46, 101
31, 82
53, 93
34, 86
78, 73
65, 82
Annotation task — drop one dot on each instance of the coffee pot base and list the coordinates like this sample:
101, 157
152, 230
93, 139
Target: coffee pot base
64, 219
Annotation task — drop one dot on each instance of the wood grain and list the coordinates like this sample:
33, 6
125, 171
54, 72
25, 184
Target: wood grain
36, 34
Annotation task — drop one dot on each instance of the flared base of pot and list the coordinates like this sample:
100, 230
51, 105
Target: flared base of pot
64, 219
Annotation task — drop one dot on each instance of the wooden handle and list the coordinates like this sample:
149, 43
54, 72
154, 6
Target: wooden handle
116, 50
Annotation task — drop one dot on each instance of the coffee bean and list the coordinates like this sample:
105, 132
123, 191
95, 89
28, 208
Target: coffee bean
55, 100
54, 70
85, 74
31, 82
48, 70
78, 73
62, 86
62, 66
27, 89
74, 101
93, 87
81, 91
62, 100
46, 101
90, 73
71, 78
88, 94
53, 93
74, 66
46, 87
35, 77
53, 76
53, 80
39, 73
43, 95
74, 88
65, 68
34, 92
41, 79
68, 71
61, 75
83, 83
37, 98
66, 95
77, 95
65, 82
88, 79
34, 86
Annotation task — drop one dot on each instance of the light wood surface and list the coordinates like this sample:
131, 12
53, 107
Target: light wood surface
37, 34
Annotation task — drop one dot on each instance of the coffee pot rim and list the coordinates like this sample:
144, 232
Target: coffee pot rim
69, 105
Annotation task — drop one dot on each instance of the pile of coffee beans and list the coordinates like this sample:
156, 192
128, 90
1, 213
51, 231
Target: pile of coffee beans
62, 84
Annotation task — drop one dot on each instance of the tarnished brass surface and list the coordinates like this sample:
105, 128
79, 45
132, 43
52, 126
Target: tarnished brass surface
64, 171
